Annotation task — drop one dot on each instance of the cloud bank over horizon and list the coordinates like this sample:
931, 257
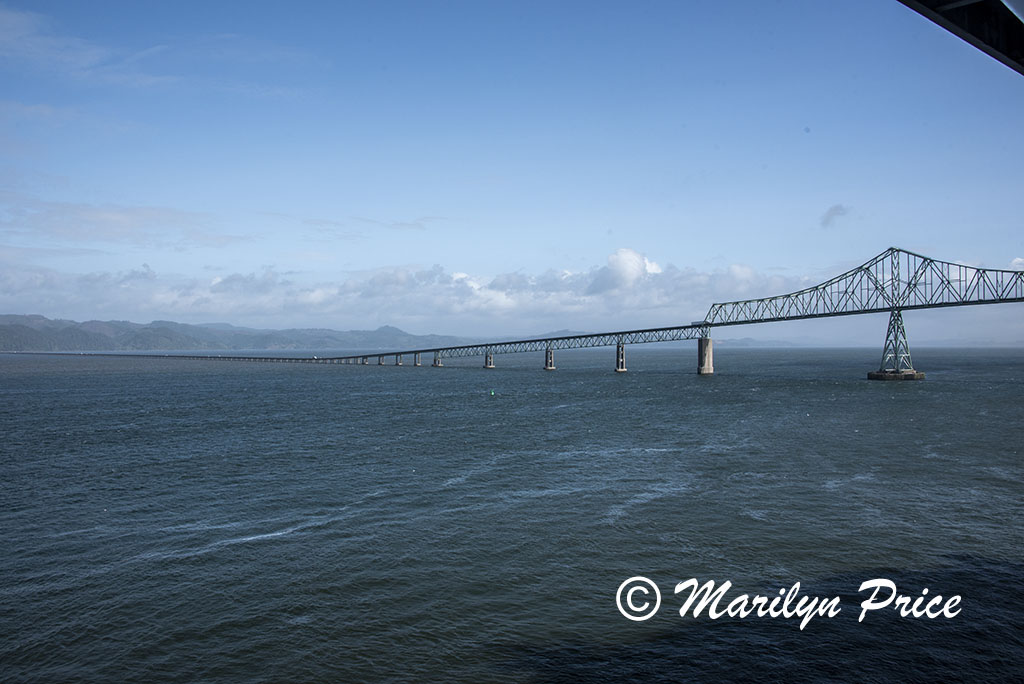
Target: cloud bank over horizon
629, 291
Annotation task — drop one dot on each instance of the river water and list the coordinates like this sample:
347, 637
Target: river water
165, 520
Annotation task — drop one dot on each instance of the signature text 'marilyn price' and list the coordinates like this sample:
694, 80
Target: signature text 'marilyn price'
788, 604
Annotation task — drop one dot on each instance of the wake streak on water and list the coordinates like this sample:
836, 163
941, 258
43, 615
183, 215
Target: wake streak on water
651, 493
166, 555
307, 524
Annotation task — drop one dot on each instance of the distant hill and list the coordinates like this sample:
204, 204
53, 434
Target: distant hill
752, 343
37, 333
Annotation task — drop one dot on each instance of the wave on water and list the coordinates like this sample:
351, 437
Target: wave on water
479, 469
653, 493
307, 524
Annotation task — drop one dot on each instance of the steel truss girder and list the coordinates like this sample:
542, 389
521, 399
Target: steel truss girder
895, 279
670, 334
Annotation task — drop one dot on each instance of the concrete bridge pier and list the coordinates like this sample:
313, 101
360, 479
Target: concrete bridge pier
380, 360
705, 365
549, 359
416, 359
488, 360
398, 359
437, 360
366, 360
620, 358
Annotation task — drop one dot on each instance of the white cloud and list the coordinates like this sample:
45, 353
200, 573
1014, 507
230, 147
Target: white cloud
90, 224
742, 273
419, 223
26, 36
29, 39
643, 294
1017, 264
32, 40
11, 109
625, 269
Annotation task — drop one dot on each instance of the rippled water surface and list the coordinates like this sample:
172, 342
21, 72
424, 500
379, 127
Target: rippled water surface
171, 520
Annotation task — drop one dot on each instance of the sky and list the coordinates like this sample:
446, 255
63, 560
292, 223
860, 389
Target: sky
498, 168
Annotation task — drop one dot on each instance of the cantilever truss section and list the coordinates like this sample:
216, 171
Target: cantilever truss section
893, 280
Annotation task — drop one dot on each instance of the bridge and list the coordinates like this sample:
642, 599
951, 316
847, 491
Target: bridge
894, 281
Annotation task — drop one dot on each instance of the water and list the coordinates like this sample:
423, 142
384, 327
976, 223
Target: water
169, 520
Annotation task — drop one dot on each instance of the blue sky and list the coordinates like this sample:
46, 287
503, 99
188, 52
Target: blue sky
497, 168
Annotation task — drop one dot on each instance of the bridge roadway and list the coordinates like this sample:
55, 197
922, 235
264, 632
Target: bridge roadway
894, 281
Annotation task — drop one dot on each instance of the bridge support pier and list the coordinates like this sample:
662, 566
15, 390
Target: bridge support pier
705, 356
437, 360
488, 360
365, 360
549, 359
896, 363
620, 358
398, 359
416, 359
380, 360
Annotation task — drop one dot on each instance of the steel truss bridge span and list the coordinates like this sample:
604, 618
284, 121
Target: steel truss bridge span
608, 339
894, 281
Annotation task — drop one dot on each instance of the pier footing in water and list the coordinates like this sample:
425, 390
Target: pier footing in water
896, 375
